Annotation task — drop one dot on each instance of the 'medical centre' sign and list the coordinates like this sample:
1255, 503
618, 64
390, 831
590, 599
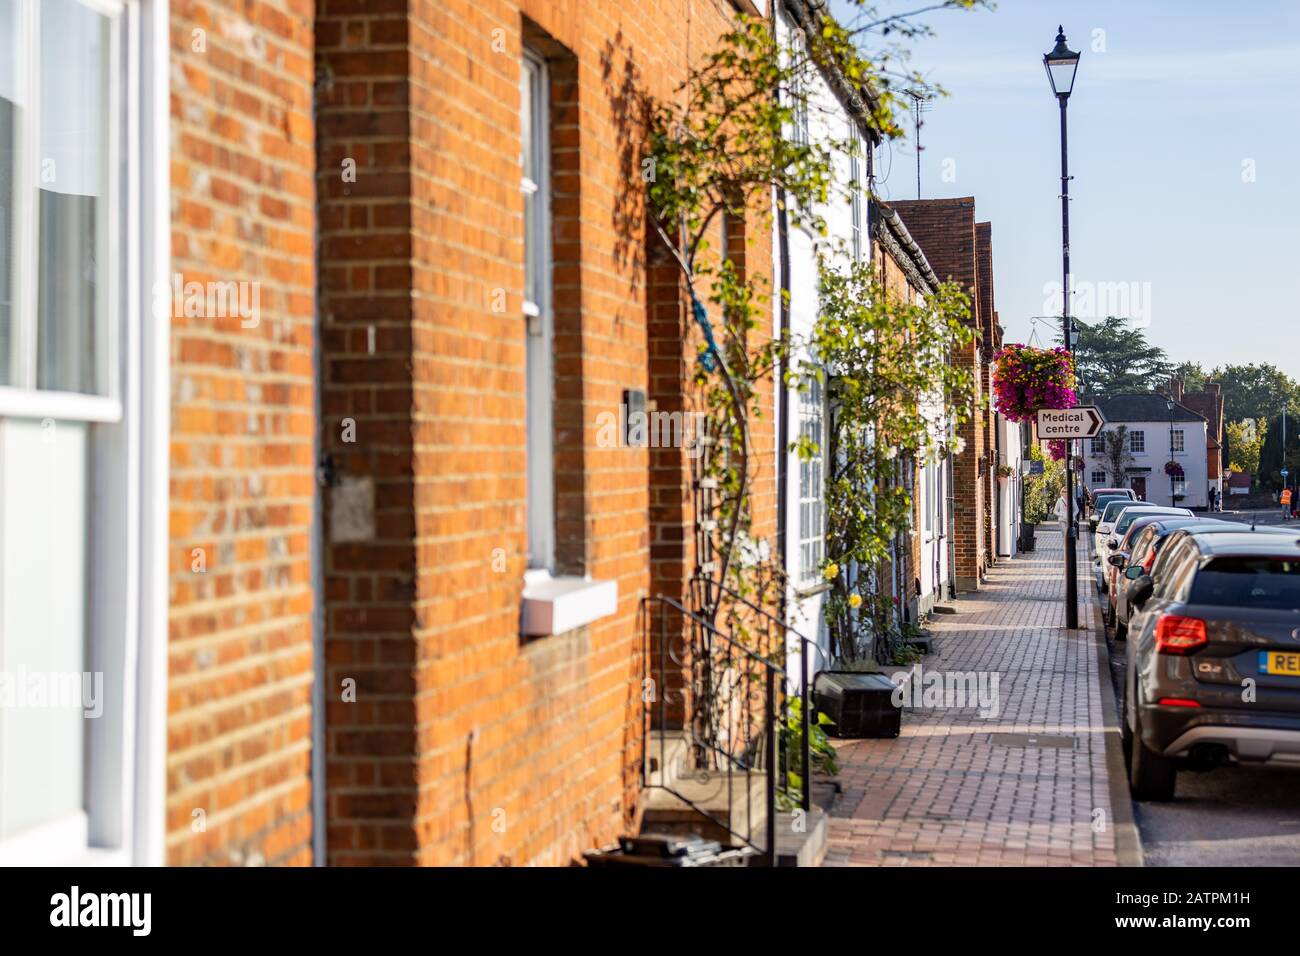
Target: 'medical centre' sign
1068, 423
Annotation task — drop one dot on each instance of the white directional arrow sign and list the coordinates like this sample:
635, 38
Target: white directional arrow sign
1067, 423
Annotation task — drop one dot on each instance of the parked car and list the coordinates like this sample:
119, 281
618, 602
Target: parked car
1128, 516
1219, 615
1101, 500
1108, 515
1139, 548
1126, 492
1124, 515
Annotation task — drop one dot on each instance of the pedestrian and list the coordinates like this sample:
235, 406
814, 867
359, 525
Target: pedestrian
1286, 503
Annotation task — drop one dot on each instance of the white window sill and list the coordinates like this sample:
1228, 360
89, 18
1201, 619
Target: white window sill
61, 842
554, 605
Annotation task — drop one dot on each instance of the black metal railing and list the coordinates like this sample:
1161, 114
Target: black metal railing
729, 693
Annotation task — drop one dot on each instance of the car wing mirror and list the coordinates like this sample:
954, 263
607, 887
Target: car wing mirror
1134, 572
1117, 560
1141, 592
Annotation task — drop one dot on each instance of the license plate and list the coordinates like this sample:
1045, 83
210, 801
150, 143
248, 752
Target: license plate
1284, 663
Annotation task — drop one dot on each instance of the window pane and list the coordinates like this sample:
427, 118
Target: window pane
811, 507
1270, 583
530, 128
8, 172
42, 620
72, 291
539, 330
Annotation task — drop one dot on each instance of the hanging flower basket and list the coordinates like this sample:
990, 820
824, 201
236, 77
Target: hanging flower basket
1026, 379
1173, 469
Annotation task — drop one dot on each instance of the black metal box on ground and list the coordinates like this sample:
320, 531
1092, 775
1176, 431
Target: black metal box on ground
668, 849
861, 705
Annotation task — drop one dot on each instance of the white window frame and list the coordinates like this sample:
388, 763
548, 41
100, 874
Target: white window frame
1137, 442
1098, 477
1177, 440
125, 748
855, 188
21, 398
538, 316
800, 89
1180, 485
931, 495
1098, 444
812, 409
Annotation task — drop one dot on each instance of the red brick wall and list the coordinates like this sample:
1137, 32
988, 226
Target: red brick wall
243, 420
467, 745
945, 231
988, 337
366, 306
907, 543
1209, 405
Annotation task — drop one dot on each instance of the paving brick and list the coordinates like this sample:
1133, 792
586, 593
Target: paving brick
943, 793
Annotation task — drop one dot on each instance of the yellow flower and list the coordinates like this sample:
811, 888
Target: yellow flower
831, 571
855, 600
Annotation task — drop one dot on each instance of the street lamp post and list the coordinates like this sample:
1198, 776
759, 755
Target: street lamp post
1061, 65
1169, 403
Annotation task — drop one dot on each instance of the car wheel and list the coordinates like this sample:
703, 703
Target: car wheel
1126, 743
1121, 629
1151, 776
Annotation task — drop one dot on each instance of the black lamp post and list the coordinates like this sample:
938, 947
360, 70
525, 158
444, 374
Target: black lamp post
1061, 65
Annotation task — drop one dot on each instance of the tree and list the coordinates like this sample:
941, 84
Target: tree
1245, 439
1256, 391
1270, 453
1116, 455
718, 148
891, 375
1112, 358
1193, 375
1042, 491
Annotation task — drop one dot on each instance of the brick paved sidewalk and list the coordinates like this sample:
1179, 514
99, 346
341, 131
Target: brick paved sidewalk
945, 793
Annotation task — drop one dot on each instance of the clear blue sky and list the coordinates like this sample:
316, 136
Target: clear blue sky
1161, 123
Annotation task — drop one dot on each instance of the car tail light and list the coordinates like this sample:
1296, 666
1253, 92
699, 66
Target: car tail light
1149, 561
1179, 635
1177, 702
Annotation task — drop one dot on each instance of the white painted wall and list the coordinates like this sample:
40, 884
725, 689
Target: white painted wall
1154, 457
828, 122
1009, 489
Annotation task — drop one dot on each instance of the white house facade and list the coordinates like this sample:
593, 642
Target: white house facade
857, 229
1158, 431
1011, 458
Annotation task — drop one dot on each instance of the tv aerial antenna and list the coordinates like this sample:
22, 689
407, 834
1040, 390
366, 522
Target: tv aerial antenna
921, 103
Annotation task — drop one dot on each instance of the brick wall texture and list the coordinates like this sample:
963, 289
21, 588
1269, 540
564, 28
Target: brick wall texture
945, 230
466, 744
243, 426
359, 162
988, 345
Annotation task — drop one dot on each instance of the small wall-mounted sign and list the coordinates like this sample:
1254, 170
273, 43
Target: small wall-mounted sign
634, 430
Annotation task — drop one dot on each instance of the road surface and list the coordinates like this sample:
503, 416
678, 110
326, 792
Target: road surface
1232, 816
